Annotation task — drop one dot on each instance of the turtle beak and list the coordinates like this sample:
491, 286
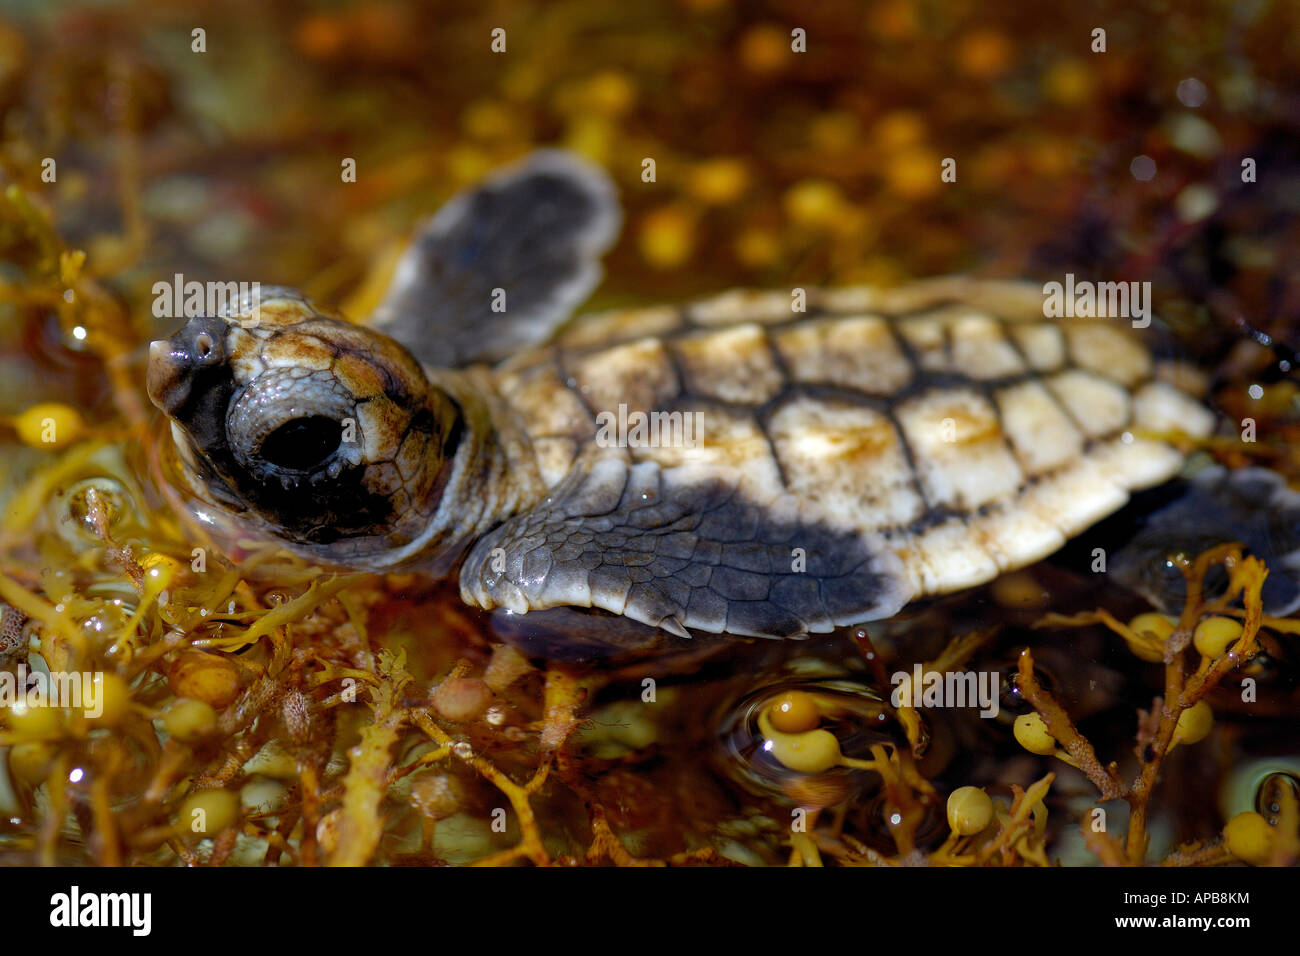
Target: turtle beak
167, 381
174, 361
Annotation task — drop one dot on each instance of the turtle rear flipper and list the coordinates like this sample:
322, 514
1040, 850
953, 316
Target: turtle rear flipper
1251, 506
500, 266
681, 549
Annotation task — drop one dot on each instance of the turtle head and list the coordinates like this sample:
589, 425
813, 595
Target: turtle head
326, 433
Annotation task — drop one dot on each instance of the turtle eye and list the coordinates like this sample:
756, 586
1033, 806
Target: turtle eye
286, 426
302, 444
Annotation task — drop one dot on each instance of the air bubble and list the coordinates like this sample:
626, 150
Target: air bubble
1192, 92
1272, 793
831, 725
86, 504
1143, 168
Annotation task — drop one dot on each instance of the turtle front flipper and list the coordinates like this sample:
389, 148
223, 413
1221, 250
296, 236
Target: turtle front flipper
682, 548
501, 265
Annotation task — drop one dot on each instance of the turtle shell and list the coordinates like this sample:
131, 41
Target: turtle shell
948, 417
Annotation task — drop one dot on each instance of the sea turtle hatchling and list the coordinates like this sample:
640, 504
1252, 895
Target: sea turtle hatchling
880, 446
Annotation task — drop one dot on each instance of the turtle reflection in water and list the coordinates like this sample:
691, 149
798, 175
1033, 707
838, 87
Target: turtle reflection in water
878, 447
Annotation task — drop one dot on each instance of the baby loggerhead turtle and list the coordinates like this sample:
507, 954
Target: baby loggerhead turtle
729, 466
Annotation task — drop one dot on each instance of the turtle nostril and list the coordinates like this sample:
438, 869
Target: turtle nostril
203, 346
